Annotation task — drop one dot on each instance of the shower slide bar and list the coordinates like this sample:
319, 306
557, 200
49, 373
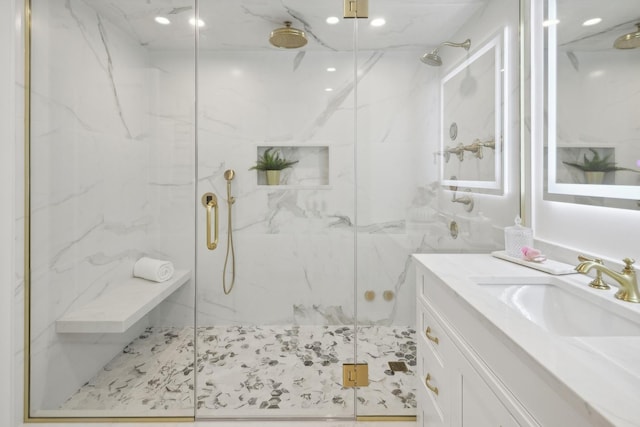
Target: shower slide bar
210, 201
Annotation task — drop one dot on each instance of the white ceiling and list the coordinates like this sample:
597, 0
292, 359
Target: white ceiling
246, 24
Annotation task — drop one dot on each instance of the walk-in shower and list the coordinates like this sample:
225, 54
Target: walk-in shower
140, 130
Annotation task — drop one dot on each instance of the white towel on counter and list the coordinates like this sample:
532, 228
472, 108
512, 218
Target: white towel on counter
153, 269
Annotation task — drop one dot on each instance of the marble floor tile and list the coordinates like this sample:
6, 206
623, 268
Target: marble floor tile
254, 371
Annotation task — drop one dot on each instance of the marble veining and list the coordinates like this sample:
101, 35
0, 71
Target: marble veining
255, 371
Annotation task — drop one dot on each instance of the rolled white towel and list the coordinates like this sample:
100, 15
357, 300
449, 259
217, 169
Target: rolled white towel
153, 269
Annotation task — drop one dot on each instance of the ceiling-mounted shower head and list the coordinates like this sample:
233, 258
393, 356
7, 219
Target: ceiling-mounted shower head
288, 37
432, 58
628, 41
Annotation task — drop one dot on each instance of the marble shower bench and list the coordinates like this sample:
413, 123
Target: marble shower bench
120, 305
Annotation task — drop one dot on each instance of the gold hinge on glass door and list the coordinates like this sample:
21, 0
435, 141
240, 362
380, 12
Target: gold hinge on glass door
355, 375
356, 8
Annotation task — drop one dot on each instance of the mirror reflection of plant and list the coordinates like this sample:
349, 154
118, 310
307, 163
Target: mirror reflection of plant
597, 164
272, 161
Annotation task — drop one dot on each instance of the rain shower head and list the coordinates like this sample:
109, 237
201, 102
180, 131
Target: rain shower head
628, 41
288, 37
432, 58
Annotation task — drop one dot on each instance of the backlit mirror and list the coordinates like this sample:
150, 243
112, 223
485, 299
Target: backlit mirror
592, 85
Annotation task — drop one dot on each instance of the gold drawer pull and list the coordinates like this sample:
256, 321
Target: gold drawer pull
429, 386
431, 337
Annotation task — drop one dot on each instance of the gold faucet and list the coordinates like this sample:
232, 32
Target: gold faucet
596, 283
626, 278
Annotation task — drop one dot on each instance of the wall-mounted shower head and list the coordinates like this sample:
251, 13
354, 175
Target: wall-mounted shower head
432, 58
229, 174
288, 37
628, 41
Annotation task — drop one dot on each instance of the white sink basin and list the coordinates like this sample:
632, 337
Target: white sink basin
561, 309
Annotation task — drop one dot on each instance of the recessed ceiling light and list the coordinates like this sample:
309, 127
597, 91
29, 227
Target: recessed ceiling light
333, 20
550, 22
328, 89
378, 22
331, 69
592, 21
162, 20
192, 21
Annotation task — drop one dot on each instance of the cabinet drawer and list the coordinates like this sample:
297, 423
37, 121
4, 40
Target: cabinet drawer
433, 383
429, 413
479, 406
431, 331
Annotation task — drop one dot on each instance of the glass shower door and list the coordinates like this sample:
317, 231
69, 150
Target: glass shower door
275, 297
112, 174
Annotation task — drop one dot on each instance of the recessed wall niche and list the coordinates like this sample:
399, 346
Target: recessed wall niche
312, 169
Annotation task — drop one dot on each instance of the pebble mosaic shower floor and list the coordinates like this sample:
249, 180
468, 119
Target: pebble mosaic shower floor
252, 371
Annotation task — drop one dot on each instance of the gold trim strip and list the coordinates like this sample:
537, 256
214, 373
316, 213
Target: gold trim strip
27, 210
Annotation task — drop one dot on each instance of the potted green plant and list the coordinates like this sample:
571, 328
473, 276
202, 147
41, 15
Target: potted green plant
595, 167
272, 163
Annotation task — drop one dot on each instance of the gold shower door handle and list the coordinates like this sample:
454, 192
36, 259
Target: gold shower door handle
210, 201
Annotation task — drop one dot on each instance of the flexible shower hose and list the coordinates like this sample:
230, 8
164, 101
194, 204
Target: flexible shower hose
230, 201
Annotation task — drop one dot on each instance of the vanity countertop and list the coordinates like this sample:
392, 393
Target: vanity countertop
603, 372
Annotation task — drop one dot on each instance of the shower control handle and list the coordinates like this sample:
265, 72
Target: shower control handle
210, 202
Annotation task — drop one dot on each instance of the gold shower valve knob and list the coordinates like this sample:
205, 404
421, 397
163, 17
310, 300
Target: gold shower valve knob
388, 295
369, 295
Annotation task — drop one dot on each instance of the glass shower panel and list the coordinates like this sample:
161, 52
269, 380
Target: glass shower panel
275, 308
112, 176
402, 208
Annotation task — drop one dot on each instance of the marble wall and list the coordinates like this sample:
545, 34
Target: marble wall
482, 228
299, 248
294, 244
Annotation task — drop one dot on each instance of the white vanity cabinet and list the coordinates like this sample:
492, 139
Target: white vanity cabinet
451, 392
472, 375
494, 363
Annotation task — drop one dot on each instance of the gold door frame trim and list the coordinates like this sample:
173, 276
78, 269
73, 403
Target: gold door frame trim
27, 210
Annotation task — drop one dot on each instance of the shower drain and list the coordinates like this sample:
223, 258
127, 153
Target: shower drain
398, 366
